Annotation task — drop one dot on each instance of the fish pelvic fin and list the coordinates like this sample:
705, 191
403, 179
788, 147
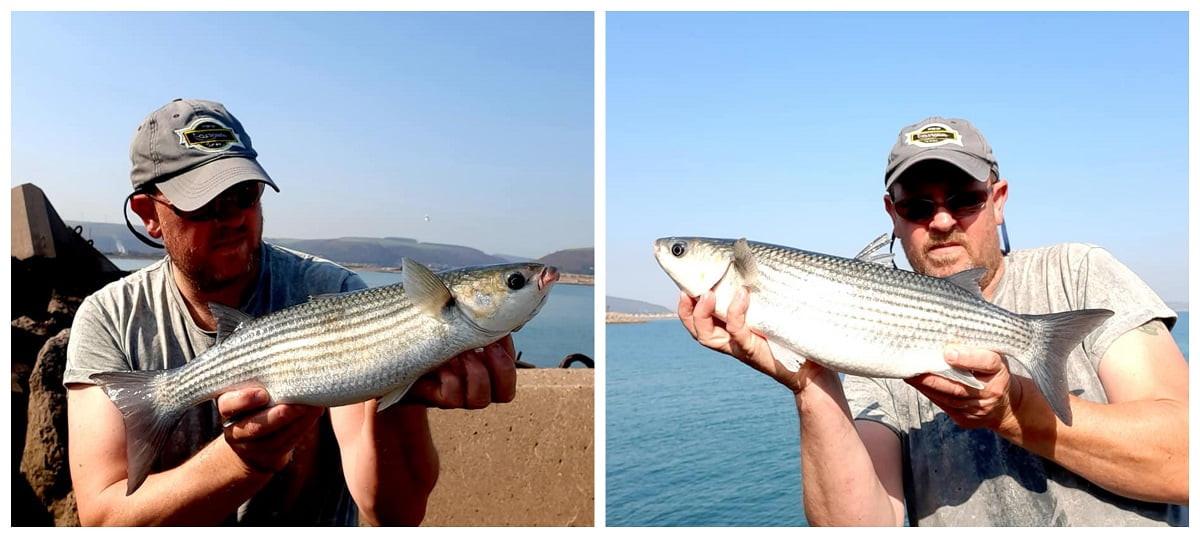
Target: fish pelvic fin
744, 263
1061, 332
147, 423
424, 288
785, 356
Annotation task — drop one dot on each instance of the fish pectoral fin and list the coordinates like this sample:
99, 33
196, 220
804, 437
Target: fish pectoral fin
961, 376
788, 358
425, 289
228, 319
390, 398
744, 263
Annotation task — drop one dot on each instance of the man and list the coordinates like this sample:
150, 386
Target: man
197, 185
952, 455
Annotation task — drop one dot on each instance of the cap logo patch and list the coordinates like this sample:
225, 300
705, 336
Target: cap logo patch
208, 135
932, 136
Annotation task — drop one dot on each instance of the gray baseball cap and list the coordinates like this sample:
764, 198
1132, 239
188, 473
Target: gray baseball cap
193, 150
953, 140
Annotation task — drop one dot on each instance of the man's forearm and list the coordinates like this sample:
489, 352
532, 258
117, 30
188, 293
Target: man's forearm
1137, 449
394, 466
840, 481
205, 490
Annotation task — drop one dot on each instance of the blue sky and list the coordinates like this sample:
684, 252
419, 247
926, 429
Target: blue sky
368, 122
776, 127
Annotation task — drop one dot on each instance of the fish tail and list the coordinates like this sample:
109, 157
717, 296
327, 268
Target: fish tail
148, 423
1060, 333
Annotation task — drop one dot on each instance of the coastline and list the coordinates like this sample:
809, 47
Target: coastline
563, 278
624, 317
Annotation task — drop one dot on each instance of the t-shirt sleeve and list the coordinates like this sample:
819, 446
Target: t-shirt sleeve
1102, 281
870, 399
93, 346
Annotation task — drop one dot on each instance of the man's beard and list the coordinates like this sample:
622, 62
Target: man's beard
195, 265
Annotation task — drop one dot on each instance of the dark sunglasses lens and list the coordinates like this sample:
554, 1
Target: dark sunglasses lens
916, 210
966, 202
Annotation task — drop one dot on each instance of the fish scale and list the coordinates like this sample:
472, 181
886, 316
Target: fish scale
863, 317
332, 350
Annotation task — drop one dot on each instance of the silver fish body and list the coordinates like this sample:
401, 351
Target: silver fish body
333, 350
870, 319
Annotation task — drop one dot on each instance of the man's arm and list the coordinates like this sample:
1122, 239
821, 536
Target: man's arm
851, 470
204, 490
389, 459
1135, 446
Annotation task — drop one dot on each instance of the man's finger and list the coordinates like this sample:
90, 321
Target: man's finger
503, 374
239, 402
687, 308
703, 316
735, 319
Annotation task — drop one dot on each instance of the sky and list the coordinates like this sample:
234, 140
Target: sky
776, 127
367, 122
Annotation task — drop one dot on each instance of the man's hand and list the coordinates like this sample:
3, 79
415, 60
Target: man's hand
471, 380
264, 440
733, 338
990, 407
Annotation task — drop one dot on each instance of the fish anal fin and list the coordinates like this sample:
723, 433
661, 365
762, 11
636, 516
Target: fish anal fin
424, 288
389, 399
961, 376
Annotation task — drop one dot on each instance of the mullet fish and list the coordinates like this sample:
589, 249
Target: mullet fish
333, 350
863, 317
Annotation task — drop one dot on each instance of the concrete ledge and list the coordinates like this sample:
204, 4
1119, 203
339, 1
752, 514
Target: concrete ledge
525, 463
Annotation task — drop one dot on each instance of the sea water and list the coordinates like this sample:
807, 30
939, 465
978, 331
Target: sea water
564, 325
696, 438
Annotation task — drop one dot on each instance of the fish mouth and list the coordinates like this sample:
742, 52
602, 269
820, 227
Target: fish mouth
549, 275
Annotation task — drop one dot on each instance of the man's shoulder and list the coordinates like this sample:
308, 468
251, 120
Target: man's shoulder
316, 274
139, 282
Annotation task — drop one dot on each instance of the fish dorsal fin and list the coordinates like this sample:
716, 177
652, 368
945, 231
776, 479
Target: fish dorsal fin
868, 253
743, 261
969, 280
425, 289
228, 319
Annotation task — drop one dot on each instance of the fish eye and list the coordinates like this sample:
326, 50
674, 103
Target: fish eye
678, 249
515, 281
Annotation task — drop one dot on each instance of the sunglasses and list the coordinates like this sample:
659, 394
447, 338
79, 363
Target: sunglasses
922, 210
239, 197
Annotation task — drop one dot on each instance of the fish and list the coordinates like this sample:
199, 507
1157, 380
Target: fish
334, 349
862, 316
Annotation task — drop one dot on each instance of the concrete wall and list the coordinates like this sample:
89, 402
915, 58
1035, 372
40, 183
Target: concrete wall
526, 463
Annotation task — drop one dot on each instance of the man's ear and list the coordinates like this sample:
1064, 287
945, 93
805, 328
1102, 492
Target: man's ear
144, 207
999, 195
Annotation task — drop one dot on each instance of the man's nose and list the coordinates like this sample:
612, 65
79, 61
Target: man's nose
943, 219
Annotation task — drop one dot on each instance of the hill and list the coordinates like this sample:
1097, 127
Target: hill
580, 261
630, 306
116, 239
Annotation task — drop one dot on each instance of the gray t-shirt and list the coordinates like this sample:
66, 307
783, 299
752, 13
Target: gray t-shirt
954, 476
142, 323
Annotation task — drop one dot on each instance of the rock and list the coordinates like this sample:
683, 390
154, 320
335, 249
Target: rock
44, 462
